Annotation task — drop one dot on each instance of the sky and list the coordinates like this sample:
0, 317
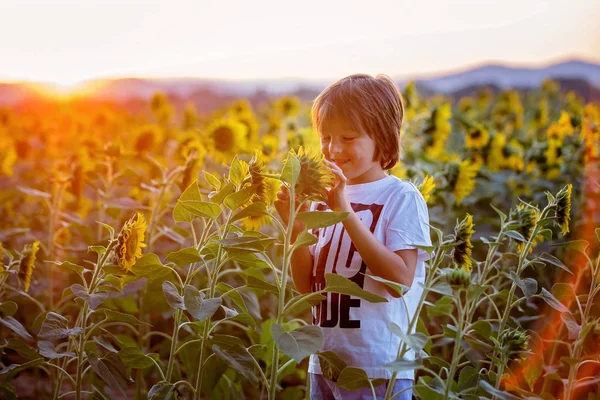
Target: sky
66, 42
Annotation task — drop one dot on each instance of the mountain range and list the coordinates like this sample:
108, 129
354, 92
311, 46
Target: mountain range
578, 75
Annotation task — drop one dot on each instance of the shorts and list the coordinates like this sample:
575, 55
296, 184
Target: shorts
324, 389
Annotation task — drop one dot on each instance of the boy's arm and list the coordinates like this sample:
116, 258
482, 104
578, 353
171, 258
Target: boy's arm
397, 266
302, 265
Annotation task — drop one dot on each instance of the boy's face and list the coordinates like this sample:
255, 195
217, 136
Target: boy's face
352, 151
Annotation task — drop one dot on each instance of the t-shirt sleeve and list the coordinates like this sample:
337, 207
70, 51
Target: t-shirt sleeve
408, 224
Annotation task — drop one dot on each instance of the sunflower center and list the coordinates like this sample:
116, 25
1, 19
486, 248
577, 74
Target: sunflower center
224, 139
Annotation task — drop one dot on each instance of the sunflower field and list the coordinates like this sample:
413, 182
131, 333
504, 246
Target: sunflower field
141, 256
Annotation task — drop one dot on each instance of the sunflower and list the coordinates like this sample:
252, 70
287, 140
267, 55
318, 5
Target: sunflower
8, 159
399, 171
270, 146
256, 168
461, 178
426, 187
131, 242
462, 251
147, 138
563, 208
226, 138
495, 160
314, 177
526, 217
288, 106
564, 124
477, 137
251, 127
190, 117
437, 130
27, 264
191, 170
240, 107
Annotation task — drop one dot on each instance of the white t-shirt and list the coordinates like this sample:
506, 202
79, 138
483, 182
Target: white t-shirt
355, 329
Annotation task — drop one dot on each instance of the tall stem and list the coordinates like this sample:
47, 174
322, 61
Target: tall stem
282, 287
456, 350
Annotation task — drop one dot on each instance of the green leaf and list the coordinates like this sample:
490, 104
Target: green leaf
16, 327
468, 378
440, 287
416, 341
239, 198
255, 283
554, 261
546, 234
331, 365
442, 307
552, 301
247, 259
483, 329
199, 307
22, 348
55, 327
212, 180
291, 170
398, 287
116, 316
164, 391
13, 369
564, 292
192, 192
515, 235
339, 284
67, 265
111, 370
94, 300
97, 249
303, 302
184, 257
133, 357
237, 172
352, 378
202, 209
299, 343
8, 308
572, 326
321, 219
171, 292
47, 350
305, 239
253, 210
149, 266
233, 294
248, 243
535, 368
502, 395
223, 193
528, 286
239, 359
578, 245
500, 213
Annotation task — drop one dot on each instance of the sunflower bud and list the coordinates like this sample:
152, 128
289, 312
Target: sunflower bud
457, 277
563, 208
526, 217
462, 251
513, 343
426, 187
27, 264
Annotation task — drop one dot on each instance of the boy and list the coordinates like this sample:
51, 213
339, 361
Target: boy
358, 119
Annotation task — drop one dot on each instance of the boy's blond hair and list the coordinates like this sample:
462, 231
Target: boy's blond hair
369, 105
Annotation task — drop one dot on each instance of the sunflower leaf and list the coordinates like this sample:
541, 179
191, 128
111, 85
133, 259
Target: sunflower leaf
320, 219
212, 180
291, 170
338, 284
174, 299
199, 307
14, 325
331, 365
253, 210
202, 209
191, 193
225, 191
352, 378
184, 257
299, 343
239, 198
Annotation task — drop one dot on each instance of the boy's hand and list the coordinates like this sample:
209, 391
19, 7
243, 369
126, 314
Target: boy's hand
282, 206
337, 195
